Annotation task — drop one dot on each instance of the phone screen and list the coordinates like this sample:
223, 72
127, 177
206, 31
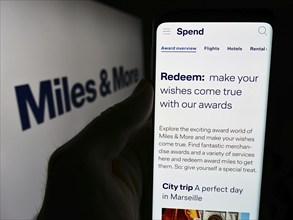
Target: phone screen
211, 89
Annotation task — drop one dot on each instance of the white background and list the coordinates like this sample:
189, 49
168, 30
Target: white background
248, 111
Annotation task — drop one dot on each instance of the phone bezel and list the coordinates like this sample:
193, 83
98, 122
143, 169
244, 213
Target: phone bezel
217, 15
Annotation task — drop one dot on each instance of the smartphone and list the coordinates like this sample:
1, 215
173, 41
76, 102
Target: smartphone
211, 80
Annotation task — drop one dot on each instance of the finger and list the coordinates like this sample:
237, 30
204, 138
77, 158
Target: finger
139, 156
108, 133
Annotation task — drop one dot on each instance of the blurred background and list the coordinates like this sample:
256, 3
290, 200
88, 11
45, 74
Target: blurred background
73, 45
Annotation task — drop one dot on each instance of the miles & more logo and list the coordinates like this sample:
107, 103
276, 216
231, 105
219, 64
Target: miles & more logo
57, 96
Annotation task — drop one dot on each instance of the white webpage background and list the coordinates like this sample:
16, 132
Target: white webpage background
249, 110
